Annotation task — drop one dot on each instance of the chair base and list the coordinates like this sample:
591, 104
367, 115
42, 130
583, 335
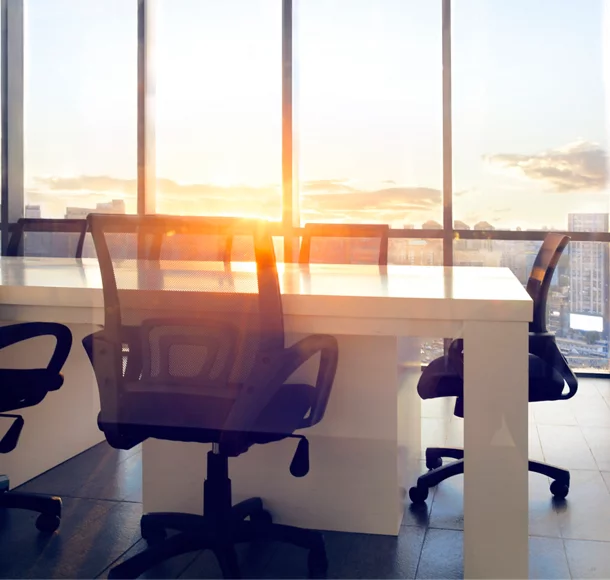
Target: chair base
439, 472
49, 507
220, 528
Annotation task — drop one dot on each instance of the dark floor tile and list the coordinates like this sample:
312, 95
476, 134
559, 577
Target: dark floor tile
447, 511
547, 559
367, 556
98, 463
92, 535
122, 481
253, 560
417, 514
169, 569
354, 556
442, 555
588, 559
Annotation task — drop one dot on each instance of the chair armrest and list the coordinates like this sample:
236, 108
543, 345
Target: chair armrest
301, 352
269, 374
11, 437
15, 333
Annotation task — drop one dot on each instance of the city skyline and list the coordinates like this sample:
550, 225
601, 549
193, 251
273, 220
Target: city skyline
529, 118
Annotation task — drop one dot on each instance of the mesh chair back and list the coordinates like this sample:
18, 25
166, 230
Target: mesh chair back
541, 275
192, 247
344, 244
193, 327
50, 238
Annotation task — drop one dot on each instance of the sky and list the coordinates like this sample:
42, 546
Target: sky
530, 107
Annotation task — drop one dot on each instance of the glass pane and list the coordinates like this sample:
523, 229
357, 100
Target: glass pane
530, 135
415, 252
419, 252
369, 111
219, 107
577, 308
80, 107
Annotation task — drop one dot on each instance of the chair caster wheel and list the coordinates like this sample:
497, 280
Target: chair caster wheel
559, 490
418, 494
317, 564
152, 534
434, 462
47, 523
262, 517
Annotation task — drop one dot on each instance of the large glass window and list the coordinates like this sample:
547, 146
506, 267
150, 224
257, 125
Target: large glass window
577, 307
219, 107
369, 111
80, 107
529, 114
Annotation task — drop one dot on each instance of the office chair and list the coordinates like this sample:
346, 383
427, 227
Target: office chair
51, 238
549, 373
345, 247
216, 377
20, 388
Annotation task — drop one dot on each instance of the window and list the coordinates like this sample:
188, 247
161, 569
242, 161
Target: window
529, 114
80, 107
577, 307
219, 107
369, 111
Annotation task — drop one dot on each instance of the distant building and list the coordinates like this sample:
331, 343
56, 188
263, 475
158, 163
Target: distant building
589, 295
116, 206
460, 225
32, 211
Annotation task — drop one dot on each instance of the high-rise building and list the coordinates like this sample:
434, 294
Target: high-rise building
589, 294
32, 211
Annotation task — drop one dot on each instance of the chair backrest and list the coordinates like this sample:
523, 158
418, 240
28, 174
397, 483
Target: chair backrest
196, 324
184, 247
345, 244
51, 238
539, 281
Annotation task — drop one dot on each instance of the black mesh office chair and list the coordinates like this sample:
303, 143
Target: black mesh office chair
217, 376
344, 244
20, 388
549, 374
51, 238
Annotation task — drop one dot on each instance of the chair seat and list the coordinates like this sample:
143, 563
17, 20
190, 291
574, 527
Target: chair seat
201, 418
21, 388
442, 379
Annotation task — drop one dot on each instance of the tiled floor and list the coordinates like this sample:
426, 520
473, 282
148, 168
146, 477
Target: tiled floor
101, 490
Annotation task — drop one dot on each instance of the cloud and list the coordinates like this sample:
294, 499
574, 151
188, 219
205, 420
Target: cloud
580, 166
330, 200
384, 205
327, 185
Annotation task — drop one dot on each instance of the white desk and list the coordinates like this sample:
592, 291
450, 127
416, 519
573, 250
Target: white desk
364, 453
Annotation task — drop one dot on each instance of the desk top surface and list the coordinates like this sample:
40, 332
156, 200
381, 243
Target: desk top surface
427, 291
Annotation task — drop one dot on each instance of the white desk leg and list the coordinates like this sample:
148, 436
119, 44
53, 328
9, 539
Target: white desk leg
495, 443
